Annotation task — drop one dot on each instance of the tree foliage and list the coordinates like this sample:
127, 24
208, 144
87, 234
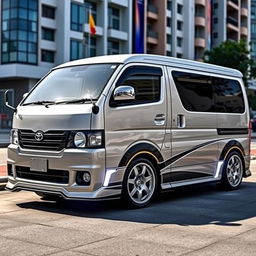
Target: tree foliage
233, 55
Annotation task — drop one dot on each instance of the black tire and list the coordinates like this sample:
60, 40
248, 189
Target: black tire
232, 171
143, 184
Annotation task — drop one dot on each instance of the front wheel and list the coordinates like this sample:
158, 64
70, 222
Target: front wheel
140, 183
232, 172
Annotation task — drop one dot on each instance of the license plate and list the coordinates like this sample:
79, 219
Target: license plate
38, 165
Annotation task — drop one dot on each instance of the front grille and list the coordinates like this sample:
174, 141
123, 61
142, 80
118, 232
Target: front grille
52, 140
56, 176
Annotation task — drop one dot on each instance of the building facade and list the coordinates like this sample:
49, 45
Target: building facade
253, 29
231, 20
39, 34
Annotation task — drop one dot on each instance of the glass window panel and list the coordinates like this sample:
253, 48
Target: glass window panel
13, 56
23, 25
32, 47
23, 13
74, 12
22, 57
32, 26
32, 37
32, 15
14, 13
5, 25
32, 58
13, 35
23, 35
6, 14
4, 47
6, 4
22, 46
5, 36
23, 3
13, 46
5, 57
81, 14
32, 4
13, 24
14, 3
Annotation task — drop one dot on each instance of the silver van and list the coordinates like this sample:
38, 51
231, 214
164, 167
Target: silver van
128, 126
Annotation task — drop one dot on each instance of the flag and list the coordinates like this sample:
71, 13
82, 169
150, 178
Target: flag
92, 25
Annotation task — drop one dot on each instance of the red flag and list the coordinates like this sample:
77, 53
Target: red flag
92, 25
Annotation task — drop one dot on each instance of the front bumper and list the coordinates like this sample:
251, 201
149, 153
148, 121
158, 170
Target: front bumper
71, 160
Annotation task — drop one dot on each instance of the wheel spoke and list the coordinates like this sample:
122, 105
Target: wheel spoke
144, 170
133, 191
136, 171
131, 181
139, 195
148, 178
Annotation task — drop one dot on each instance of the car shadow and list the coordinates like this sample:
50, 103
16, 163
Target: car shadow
194, 205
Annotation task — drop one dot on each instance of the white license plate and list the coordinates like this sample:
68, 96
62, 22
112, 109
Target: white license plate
38, 165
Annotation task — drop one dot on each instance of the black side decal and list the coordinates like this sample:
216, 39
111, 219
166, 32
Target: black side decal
139, 148
230, 144
176, 157
232, 131
180, 175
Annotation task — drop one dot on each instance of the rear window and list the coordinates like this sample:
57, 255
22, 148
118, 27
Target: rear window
201, 93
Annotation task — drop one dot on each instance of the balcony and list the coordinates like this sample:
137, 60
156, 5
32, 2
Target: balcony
244, 12
244, 31
200, 42
232, 21
201, 2
233, 4
200, 21
152, 12
152, 37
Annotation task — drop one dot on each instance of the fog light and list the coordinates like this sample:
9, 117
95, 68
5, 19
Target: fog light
87, 177
83, 178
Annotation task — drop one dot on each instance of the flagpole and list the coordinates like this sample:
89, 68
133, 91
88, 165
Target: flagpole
89, 34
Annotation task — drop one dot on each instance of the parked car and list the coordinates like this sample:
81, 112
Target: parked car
253, 121
128, 126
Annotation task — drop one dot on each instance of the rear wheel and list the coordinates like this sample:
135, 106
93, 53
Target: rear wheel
232, 173
140, 183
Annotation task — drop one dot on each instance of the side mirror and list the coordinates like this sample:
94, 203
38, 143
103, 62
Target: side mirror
124, 92
6, 101
25, 95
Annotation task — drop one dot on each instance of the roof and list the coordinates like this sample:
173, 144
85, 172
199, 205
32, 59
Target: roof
155, 59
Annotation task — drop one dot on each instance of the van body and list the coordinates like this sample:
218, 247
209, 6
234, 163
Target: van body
130, 125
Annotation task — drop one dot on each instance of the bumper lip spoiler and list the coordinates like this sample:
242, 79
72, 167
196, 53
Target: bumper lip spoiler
61, 194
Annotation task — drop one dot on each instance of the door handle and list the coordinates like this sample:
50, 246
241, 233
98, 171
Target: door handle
181, 122
159, 119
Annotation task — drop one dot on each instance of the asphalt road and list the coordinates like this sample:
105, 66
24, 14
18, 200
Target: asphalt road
198, 220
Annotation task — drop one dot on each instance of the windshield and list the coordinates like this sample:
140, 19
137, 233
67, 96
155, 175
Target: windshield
71, 84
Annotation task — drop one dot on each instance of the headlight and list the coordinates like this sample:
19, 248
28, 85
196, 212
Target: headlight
14, 139
86, 139
80, 140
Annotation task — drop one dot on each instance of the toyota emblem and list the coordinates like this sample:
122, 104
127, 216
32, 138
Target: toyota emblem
39, 136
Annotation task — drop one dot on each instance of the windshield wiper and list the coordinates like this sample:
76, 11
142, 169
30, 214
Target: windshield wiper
42, 102
83, 100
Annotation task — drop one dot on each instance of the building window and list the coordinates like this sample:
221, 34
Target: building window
48, 34
169, 5
215, 20
253, 11
113, 47
48, 11
179, 55
253, 27
168, 39
179, 41
93, 46
253, 49
169, 22
179, 25
76, 50
179, 9
47, 56
215, 35
19, 31
114, 18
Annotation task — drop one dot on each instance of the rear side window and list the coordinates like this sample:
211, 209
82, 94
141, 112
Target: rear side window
201, 93
146, 82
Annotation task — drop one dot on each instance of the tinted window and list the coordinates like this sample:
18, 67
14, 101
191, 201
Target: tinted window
228, 96
145, 80
48, 12
209, 94
196, 91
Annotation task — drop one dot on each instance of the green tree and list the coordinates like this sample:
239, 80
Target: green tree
233, 55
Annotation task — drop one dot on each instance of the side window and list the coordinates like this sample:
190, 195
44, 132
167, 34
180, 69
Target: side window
228, 96
201, 93
146, 82
195, 91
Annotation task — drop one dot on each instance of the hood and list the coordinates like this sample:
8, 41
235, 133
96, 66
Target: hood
54, 117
